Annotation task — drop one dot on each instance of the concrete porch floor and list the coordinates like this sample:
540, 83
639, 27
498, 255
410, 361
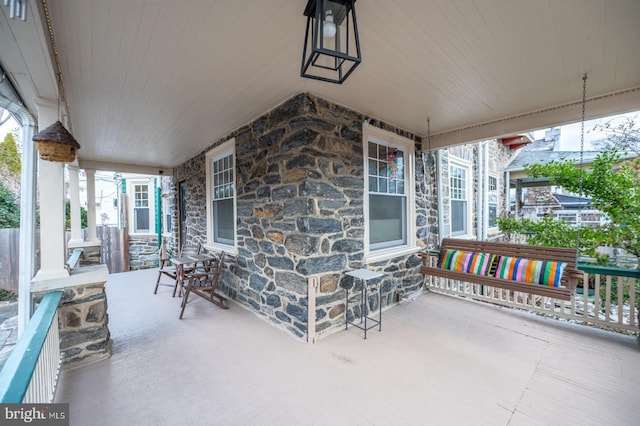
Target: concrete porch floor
439, 360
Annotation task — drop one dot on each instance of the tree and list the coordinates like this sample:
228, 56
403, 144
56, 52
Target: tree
622, 133
67, 212
9, 209
9, 154
614, 188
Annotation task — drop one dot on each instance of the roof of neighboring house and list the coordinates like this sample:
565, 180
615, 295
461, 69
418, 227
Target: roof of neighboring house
539, 156
569, 201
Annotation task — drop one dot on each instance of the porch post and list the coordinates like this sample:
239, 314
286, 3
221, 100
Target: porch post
74, 198
27, 250
92, 236
52, 221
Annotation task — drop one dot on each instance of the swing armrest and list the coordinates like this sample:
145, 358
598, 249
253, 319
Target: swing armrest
426, 254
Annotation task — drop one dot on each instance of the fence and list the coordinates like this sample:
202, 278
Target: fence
114, 253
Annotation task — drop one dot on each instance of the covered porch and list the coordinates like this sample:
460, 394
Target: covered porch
438, 360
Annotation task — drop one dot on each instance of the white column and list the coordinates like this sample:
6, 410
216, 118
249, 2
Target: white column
27, 249
91, 206
52, 220
74, 198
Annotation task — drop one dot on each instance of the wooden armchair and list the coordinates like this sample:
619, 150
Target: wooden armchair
166, 268
205, 284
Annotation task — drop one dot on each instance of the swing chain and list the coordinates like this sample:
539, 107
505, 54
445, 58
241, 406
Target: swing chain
584, 102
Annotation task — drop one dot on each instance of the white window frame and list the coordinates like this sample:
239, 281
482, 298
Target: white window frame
131, 185
466, 166
495, 193
224, 150
382, 137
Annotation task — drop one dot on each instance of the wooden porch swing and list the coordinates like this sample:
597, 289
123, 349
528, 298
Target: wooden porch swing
538, 270
544, 271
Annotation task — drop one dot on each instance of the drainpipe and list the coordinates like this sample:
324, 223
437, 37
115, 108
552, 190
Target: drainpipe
485, 220
507, 193
479, 191
27, 250
158, 205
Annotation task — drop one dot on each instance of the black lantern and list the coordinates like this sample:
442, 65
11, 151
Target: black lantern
331, 42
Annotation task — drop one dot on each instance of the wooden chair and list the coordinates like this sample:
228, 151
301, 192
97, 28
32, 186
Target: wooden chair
166, 268
205, 284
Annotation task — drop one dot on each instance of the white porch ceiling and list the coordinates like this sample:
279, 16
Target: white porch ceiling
153, 83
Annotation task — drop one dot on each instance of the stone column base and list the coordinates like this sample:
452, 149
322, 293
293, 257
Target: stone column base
82, 315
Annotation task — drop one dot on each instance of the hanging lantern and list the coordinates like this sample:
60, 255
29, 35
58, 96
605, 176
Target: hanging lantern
55, 143
331, 42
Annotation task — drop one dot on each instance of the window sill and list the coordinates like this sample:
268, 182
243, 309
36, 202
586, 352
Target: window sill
229, 250
464, 237
381, 255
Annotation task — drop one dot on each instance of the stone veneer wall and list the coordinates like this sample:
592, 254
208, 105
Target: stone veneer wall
143, 252
498, 158
299, 187
84, 330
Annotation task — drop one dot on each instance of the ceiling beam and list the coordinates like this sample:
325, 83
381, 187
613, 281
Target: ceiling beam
124, 168
596, 107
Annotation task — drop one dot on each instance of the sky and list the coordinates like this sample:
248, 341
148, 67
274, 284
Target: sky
570, 133
7, 127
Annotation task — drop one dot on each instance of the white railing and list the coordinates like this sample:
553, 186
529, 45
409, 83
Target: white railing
610, 301
30, 374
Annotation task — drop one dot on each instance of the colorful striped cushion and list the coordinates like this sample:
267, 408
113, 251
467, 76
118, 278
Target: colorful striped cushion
467, 261
530, 271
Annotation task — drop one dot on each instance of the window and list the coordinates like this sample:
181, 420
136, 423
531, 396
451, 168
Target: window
141, 208
221, 197
389, 212
459, 200
166, 212
493, 201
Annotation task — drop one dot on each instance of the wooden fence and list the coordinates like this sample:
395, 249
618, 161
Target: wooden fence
114, 253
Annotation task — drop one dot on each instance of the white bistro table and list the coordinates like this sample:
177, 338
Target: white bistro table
365, 275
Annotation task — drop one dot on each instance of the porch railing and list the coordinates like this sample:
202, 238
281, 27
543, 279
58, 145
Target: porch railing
30, 374
607, 297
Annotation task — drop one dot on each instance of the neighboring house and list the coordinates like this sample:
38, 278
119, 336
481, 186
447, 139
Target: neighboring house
128, 201
472, 185
534, 198
310, 190
141, 217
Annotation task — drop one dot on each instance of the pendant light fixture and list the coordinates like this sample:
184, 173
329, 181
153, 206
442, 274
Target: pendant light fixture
331, 42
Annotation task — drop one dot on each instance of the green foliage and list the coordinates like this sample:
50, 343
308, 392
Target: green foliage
9, 209
553, 232
7, 296
67, 214
9, 154
613, 188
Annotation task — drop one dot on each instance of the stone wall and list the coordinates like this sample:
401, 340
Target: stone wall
143, 252
299, 187
84, 330
498, 157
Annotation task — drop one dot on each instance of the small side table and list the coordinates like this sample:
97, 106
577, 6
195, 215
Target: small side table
365, 275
